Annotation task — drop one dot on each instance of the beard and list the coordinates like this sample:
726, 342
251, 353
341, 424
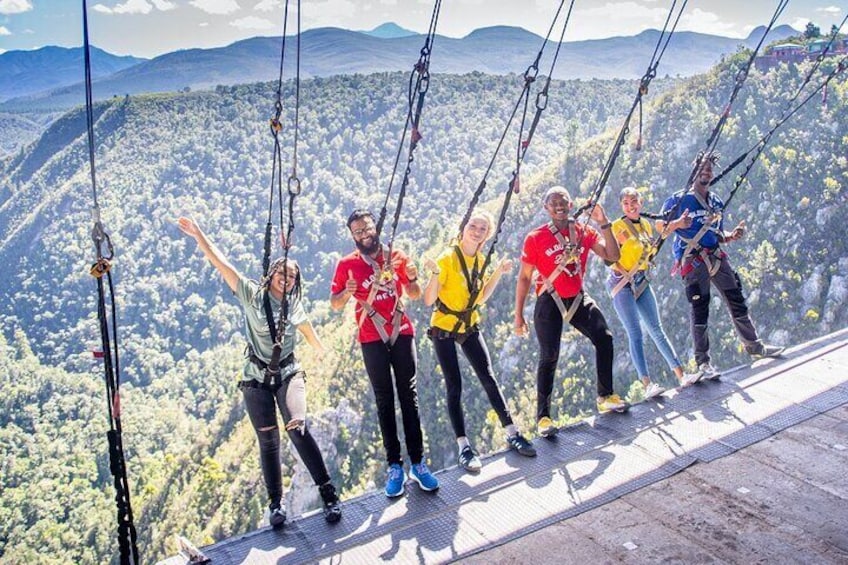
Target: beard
369, 249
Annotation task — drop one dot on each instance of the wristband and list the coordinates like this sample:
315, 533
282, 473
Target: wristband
606, 225
414, 280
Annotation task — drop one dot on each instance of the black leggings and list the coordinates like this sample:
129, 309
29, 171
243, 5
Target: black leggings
589, 321
477, 353
380, 361
290, 396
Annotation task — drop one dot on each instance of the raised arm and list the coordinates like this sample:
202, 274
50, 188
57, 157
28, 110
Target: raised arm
607, 249
431, 291
210, 251
503, 267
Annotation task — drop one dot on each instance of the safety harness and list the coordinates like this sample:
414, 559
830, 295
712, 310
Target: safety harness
568, 263
382, 275
629, 276
694, 249
474, 283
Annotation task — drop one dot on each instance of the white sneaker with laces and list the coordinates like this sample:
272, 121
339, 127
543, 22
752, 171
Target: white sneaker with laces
653, 390
690, 378
708, 372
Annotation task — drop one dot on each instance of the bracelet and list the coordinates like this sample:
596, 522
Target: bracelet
437, 273
606, 225
415, 280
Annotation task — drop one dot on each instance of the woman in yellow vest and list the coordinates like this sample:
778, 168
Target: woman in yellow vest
631, 291
455, 277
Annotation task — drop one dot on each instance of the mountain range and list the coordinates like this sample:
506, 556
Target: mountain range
29, 81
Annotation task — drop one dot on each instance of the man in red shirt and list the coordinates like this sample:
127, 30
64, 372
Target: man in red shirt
377, 282
558, 252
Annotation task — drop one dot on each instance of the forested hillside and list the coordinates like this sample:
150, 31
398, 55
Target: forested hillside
191, 456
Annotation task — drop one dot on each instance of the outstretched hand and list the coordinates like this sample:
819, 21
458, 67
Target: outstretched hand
738, 231
188, 227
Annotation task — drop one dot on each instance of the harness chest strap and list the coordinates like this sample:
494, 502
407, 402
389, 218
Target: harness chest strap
693, 245
627, 276
474, 284
367, 305
564, 260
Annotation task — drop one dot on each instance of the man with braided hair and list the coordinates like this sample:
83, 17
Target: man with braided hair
703, 263
286, 388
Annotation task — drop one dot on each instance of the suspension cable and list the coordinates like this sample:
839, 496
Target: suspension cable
293, 189
712, 140
419, 84
127, 536
644, 83
788, 110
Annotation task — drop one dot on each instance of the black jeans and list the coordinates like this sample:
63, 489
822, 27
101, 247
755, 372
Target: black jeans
290, 396
477, 353
380, 361
727, 283
589, 321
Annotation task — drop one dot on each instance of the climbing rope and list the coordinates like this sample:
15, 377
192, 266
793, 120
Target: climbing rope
644, 83
523, 144
127, 537
293, 189
419, 84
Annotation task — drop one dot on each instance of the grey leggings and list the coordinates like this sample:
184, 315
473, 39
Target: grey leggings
290, 397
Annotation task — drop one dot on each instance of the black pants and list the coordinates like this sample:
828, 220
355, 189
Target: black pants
380, 361
589, 321
726, 282
290, 397
477, 353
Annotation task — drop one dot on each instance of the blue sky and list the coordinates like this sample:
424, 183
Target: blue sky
147, 28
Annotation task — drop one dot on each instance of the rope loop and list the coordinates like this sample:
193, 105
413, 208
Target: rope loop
294, 186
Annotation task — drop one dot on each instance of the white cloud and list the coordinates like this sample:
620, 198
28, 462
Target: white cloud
15, 6
708, 22
218, 7
252, 22
620, 12
800, 23
203, 24
268, 5
5, 31
128, 7
164, 5
830, 10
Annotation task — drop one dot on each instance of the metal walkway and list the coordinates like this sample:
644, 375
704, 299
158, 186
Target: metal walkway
584, 467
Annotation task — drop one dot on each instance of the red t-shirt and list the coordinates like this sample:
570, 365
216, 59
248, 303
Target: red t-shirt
386, 297
541, 249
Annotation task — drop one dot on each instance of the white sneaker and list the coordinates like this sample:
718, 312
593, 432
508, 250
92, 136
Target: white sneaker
690, 378
653, 390
708, 372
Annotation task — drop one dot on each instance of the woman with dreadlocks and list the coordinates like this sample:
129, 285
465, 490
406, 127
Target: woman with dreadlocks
455, 281
261, 389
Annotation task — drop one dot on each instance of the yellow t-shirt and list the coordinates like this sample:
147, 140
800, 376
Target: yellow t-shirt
453, 289
632, 246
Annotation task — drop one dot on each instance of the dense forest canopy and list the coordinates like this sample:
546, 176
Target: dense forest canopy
191, 455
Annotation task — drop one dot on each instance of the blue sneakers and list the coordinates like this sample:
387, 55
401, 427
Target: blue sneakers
422, 475
394, 484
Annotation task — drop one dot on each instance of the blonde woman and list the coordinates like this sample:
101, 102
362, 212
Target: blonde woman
455, 277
